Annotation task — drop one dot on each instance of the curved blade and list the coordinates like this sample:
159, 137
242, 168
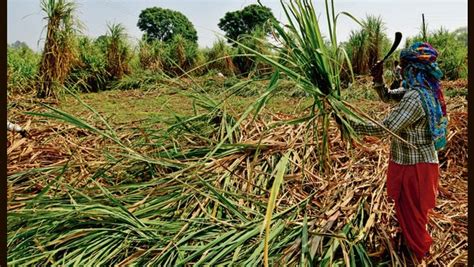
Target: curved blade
396, 42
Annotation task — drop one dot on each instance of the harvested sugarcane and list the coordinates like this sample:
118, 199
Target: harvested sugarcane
305, 57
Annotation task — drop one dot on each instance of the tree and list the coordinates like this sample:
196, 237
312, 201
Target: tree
101, 42
19, 44
245, 21
163, 24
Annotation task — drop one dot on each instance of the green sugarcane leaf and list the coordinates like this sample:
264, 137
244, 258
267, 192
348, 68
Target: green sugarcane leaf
280, 172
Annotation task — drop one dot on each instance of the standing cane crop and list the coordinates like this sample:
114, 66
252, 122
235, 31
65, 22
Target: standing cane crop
59, 48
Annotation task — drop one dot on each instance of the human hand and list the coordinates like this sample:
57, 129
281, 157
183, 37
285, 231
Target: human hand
377, 72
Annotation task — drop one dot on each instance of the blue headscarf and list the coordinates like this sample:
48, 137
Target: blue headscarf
423, 74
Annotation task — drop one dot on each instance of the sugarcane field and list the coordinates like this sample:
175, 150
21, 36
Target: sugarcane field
281, 143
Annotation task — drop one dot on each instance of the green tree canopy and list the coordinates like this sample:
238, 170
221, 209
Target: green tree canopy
163, 24
19, 44
244, 21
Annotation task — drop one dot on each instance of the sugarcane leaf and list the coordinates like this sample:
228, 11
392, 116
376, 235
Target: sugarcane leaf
280, 172
304, 241
264, 98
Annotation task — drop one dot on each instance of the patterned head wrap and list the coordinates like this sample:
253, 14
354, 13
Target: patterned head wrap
423, 74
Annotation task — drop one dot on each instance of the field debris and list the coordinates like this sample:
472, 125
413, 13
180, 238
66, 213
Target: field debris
230, 189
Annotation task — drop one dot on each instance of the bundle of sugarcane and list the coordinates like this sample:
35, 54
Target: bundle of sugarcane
315, 64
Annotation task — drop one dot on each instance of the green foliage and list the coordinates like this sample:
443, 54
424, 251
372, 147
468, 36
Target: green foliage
452, 51
460, 35
139, 79
163, 24
200, 61
249, 64
452, 54
174, 57
118, 51
22, 68
377, 39
152, 54
90, 74
357, 49
101, 42
182, 55
219, 58
245, 21
366, 45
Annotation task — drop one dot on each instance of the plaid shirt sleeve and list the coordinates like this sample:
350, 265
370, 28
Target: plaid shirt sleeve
407, 119
387, 95
408, 111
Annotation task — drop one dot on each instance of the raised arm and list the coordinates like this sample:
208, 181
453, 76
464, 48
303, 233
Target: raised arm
395, 93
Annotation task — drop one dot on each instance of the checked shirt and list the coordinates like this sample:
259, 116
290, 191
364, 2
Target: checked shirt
408, 120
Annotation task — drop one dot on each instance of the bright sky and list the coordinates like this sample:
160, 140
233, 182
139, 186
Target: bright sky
25, 18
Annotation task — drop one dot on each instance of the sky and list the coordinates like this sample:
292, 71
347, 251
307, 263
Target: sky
25, 19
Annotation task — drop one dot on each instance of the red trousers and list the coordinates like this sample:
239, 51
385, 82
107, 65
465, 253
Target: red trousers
414, 189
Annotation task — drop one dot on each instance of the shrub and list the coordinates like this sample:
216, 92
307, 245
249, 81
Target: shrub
89, 74
118, 51
452, 51
152, 54
182, 55
220, 57
22, 68
367, 45
250, 65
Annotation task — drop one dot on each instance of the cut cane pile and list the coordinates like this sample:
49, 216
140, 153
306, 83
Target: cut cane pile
176, 206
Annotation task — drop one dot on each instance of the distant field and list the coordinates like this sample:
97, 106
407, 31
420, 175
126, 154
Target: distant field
136, 104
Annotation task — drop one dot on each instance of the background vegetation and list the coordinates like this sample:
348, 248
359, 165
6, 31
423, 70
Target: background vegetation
245, 21
97, 64
452, 49
217, 155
